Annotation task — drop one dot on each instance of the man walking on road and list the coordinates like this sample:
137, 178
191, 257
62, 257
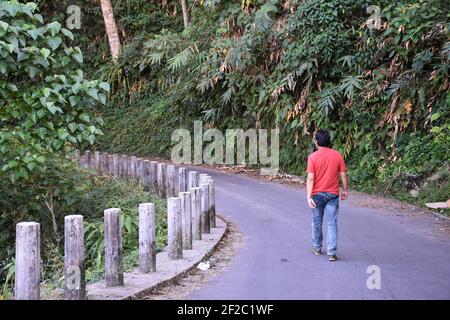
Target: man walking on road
324, 168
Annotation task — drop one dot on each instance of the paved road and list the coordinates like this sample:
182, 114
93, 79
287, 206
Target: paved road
275, 261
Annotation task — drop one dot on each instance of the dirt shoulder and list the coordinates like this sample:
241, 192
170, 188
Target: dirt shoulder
219, 261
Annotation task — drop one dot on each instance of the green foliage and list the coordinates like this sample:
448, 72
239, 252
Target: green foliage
126, 196
299, 65
46, 105
69, 190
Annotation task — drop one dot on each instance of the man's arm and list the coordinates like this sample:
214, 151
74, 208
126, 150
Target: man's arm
309, 188
344, 194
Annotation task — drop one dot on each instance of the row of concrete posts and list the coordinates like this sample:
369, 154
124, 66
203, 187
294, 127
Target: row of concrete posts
190, 214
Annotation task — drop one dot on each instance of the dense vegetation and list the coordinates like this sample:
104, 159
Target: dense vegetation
47, 107
46, 101
69, 190
297, 65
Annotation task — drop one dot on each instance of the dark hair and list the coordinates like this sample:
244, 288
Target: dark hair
323, 138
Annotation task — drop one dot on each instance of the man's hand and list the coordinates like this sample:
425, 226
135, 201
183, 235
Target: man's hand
309, 188
311, 203
344, 195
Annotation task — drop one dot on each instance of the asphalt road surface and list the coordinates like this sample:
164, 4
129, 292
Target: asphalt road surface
276, 261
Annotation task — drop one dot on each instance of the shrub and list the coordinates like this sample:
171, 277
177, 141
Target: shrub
70, 190
46, 103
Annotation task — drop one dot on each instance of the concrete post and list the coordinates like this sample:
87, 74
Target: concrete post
133, 167
203, 178
124, 166
182, 180
147, 238
193, 179
175, 236
97, 161
196, 214
100, 163
113, 248
28, 261
116, 165
212, 203
129, 167
87, 155
140, 170
186, 219
161, 177
104, 162
74, 259
153, 175
110, 164
146, 174
170, 182
78, 156
204, 205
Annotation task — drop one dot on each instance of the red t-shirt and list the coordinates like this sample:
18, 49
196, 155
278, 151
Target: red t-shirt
326, 164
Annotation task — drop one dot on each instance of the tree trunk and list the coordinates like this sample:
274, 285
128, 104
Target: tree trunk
185, 13
111, 28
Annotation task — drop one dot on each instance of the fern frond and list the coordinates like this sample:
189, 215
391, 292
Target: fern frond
227, 95
350, 84
398, 85
327, 99
181, 59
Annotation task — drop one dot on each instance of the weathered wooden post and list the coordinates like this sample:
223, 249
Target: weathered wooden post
147, 238
124, 166
146, 174
186, 219
193, 179
182, 180
196, 213
212, 203
153, 175
161, 177
170, 181
174, 236
204, 205
113, 248
116, 165
97, 161
87, 155
28, 261
74, 259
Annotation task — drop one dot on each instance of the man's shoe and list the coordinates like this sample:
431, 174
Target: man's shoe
332, 257
317, 252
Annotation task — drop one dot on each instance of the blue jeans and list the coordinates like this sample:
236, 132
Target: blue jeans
327, 203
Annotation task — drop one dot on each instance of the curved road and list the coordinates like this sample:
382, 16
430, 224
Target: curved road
276, 262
